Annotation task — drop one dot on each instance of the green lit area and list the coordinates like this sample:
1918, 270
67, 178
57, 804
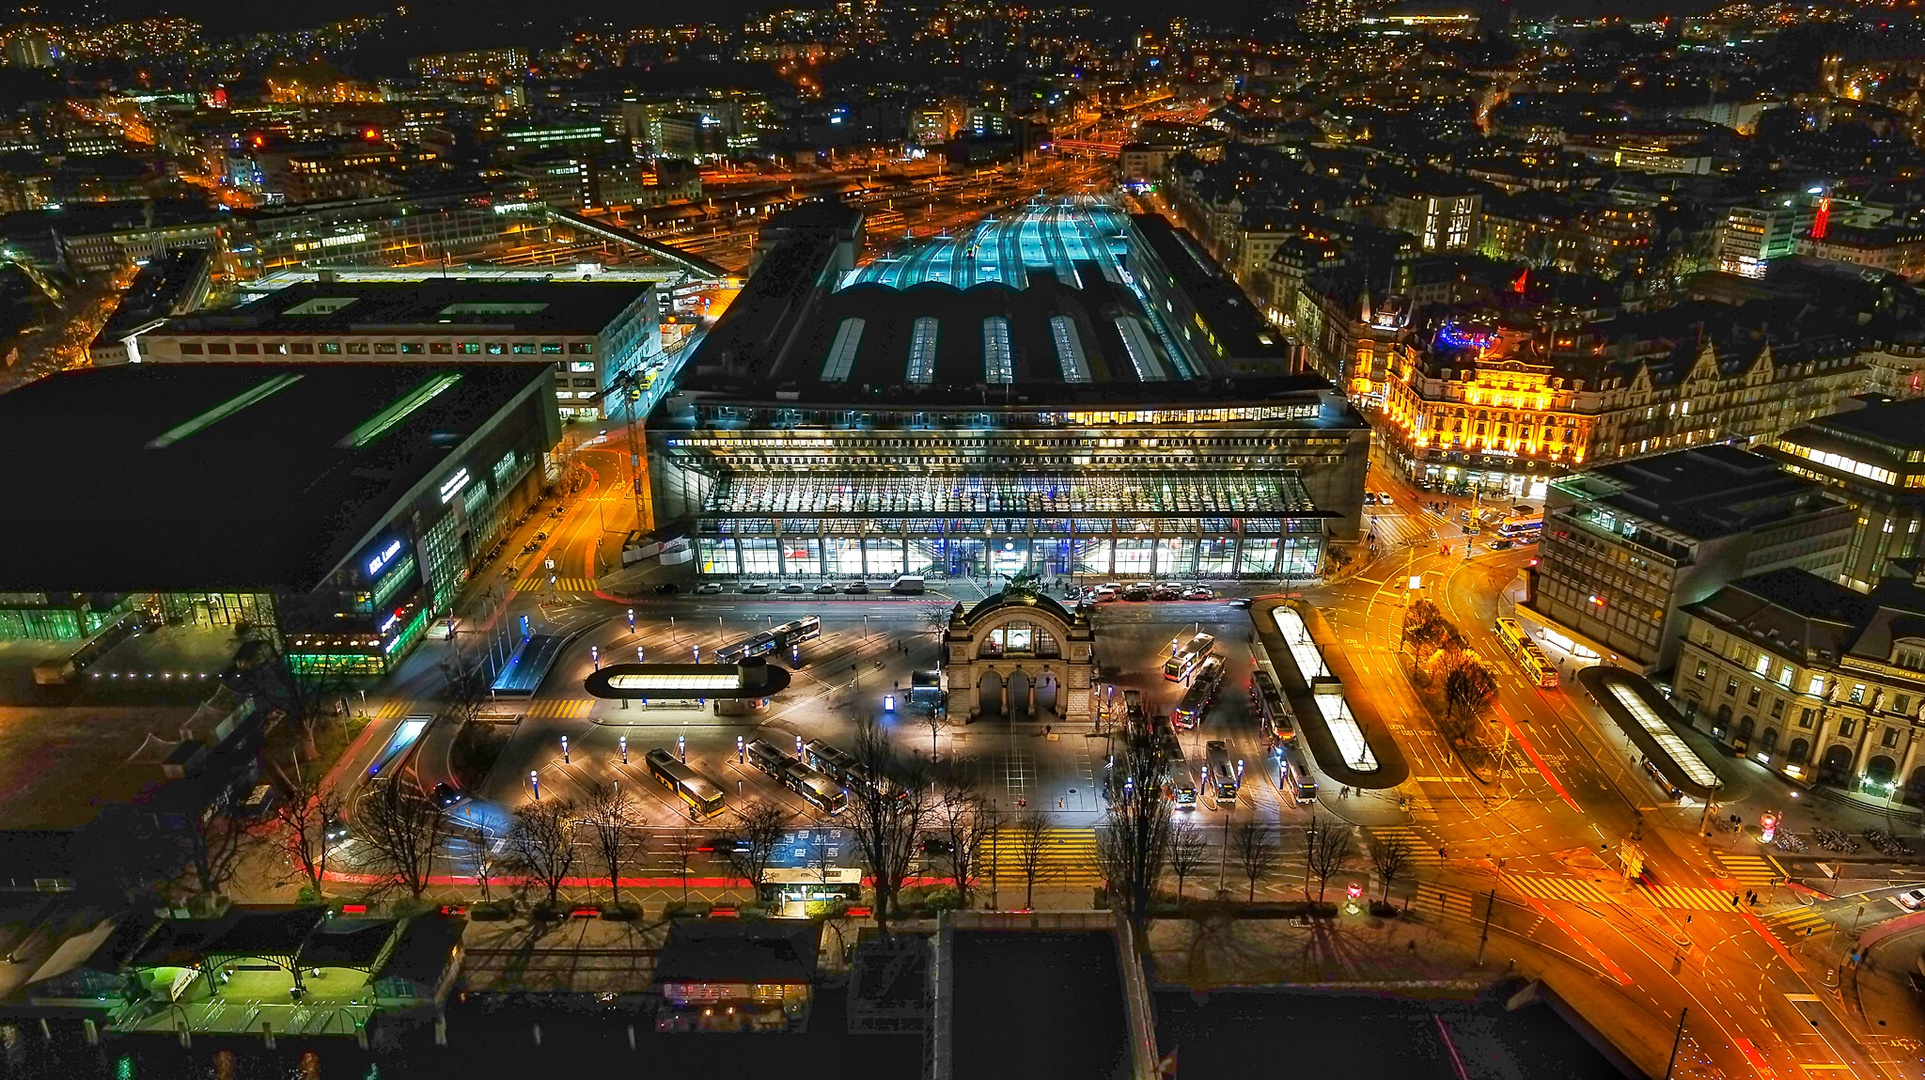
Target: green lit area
405, 640
398, 410
306, 663
224, 410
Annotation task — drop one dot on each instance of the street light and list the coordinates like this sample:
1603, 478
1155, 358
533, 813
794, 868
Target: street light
631, 620
638, 655
681, 748
564, 749
739, 750
534, 778
623, 742
595, 655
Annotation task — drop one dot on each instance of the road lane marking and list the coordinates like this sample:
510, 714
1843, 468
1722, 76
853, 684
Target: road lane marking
1610, 966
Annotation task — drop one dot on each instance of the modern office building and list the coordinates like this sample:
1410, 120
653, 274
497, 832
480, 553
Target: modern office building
337, 507
595, 333
420, 227
1873, 456
1813, 680
1067, 390
1626, 546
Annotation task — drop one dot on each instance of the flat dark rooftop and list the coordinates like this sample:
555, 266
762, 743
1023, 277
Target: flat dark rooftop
1711, 491
1040, 1006
1898, 423
262, 498
438, 306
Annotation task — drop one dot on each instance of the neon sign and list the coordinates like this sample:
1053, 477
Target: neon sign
452, 485
380, 562
1452, 337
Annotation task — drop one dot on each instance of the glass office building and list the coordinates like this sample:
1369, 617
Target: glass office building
1067, 390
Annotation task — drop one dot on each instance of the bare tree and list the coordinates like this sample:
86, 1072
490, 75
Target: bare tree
1188, 850
542, 840
1328, 850
1468, 690
683, 843
963, 821
1031, 836
614, 826
887, 815
403, 829
464, 688
932, 717
1257, 852
1136, 835
1390, 857
306, 817
752, 844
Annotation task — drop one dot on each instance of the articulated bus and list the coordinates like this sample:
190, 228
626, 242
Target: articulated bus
1294, 776
1188, 657
822, 793
1220, 774
703, 796
1525, 651
1198, 698
760, 645
768, 758
1272, 712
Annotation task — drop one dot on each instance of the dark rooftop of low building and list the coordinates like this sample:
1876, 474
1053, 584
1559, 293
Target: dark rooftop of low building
436, 306
227, 476
1707, 492
739, 952
1898, 424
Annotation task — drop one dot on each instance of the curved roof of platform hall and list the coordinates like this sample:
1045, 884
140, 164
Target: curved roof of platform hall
684, 681
1652, 724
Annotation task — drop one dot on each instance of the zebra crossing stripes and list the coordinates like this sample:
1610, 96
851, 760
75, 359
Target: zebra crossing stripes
1750, 869
392, 708
1450, 902
1064, 857
560, 708
1395, 527
1688, 897
539, 583
1545, 887
1423, 849
1797, 923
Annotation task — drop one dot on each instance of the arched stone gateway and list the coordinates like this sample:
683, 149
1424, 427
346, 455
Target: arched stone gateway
1020, 655
1836, 765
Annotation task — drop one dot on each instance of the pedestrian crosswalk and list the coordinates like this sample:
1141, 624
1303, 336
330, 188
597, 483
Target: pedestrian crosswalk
1689, 898
539, 583
1436, 898
394, 707
1546, 887
1797, 923
544, 708
1424, 850
1394, 527
1063, 857
1750, 869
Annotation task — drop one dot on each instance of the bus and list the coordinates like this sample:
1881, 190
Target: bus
1294, 777
703, 796
1183, 785
760, 645
1523, 530
822, 793
769, 759
1187, 657
791, 634
833, 763
1272, 712
1218, 772
1198, 698
1536, 665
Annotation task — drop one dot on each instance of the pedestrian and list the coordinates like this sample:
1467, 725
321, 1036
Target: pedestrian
1734, 899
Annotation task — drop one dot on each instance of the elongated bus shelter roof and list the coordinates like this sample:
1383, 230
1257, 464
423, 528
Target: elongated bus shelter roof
1652, 724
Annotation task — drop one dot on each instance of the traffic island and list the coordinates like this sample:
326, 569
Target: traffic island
1350, 741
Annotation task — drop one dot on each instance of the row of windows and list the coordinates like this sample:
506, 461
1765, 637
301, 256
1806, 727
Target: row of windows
385, 348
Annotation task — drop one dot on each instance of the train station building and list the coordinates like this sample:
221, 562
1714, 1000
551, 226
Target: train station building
335, 508
1067, 390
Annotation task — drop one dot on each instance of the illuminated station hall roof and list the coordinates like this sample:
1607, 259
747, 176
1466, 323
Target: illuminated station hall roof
1070, 299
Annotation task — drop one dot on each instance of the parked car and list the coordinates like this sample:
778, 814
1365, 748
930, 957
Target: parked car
708, 588
1199, 592
1167, 591
1101, 594
667, 588
1139, 591
856, 588
756, 587
825, 588
792, 587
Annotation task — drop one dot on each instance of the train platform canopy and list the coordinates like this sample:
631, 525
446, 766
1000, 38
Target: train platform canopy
1171, 494
1652, 725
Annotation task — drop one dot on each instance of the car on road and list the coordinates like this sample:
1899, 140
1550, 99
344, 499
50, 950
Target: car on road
1370, 498
1199, 592
856, 588
1383, 497
708, 588
445, 796
1240, 602
756, 587
1913, 899
1502, 543
667, 588
792, 587
826, 588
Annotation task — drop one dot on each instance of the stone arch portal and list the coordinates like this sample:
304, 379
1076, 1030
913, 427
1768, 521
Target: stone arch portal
1020, 655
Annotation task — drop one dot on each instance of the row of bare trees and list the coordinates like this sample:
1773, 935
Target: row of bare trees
1442, 660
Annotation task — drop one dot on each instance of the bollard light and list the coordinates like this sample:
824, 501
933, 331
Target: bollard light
595, 654
740, 750
631, 620
564, 749
534, 778
638, 655
624, 745
681, 747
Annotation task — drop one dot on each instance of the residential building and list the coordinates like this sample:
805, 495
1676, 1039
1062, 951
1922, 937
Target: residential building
1626, 546
1812, 680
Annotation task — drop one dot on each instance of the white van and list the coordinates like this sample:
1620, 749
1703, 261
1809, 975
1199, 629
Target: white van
907, 585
